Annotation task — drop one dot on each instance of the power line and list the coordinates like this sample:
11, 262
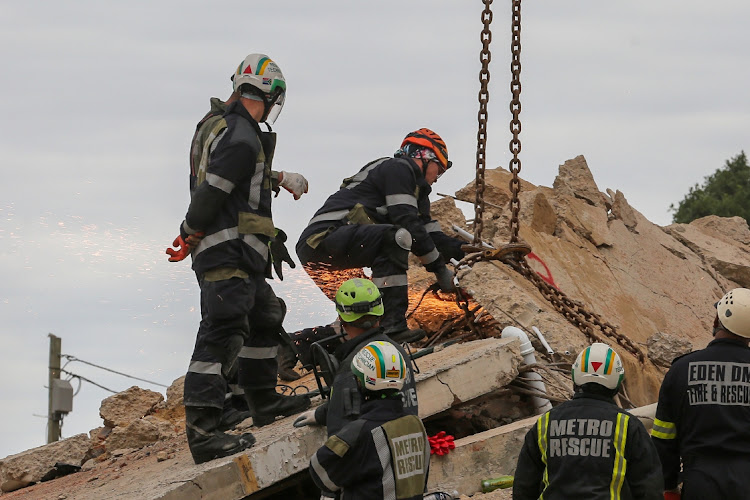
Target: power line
87, 380
73, 358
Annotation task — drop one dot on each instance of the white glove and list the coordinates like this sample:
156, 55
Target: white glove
445, 280
307, 418
294, 183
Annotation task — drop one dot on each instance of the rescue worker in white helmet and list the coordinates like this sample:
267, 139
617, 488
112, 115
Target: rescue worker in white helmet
359, 305
206, 133
227, 231
702, 423
588, 447
385, 452
375, 219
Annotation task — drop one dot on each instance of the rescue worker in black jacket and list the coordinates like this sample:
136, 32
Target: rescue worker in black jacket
375, 219
227, 230
703, 414
206, 132
385, 452
359, 305
588, 447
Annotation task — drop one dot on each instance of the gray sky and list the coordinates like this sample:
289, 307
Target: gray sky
100, 100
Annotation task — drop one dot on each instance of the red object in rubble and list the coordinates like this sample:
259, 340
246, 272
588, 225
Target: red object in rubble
441, 443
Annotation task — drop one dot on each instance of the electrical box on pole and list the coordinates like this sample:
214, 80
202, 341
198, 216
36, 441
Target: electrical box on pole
62, 396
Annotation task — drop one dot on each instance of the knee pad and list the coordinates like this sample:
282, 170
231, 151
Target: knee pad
397, 245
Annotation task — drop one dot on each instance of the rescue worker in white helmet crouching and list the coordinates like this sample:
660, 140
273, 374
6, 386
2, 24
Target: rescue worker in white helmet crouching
385, 452
360, 306
588, 447
703, 415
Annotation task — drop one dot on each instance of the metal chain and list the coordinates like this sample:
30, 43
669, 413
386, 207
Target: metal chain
515, 122
575, 312
514, 253
484, 97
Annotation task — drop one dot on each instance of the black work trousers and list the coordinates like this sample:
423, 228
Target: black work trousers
240, 321
354, 246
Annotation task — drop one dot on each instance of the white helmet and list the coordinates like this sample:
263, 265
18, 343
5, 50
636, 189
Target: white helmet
734, 311
599, 364
267, 82
379, 366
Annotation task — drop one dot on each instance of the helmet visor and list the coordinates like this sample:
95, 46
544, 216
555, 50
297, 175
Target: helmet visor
274, 106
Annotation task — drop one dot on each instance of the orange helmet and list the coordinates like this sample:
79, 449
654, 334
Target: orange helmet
428, 139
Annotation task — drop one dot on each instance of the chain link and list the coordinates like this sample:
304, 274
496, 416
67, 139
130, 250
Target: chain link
484, 98
515, 122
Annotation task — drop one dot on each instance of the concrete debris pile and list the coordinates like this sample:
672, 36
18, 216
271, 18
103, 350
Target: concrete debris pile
653, 285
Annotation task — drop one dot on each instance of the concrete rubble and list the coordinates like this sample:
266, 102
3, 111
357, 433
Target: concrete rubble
654, 285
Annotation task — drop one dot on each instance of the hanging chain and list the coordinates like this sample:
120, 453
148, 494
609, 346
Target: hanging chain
484, 97
515, 122
514, 253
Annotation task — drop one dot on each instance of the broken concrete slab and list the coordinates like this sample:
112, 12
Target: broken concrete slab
450, 375
30, 466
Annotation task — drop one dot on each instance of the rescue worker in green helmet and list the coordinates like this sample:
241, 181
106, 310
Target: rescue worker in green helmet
385, 452
702, 425
376, 218
359, 305
588, 447
227, 230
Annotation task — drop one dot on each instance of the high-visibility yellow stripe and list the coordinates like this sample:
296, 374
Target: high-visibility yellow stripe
663, 429
621, 464
541, 432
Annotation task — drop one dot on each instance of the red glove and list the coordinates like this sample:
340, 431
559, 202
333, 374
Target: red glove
672, 495
441, 443
183, 247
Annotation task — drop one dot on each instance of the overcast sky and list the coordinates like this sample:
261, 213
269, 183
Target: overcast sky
100, 100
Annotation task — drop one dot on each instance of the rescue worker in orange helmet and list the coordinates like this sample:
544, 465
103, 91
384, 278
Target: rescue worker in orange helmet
588, 447
702, 421
376, 218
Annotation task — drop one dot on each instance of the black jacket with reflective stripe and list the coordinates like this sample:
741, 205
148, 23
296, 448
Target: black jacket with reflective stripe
232, 200
704, 407
357, 463
392, 191
588, 448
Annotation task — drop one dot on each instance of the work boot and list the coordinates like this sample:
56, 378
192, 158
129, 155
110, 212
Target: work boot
233, 413
205, 440
406, 335
287, 360
267, 404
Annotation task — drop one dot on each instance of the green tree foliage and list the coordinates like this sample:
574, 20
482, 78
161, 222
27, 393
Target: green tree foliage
725, 193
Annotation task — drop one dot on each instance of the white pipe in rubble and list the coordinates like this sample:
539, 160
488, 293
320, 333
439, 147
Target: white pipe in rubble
543, 340
468, 236
541, 405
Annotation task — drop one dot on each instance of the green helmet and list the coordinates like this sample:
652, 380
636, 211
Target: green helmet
358, 297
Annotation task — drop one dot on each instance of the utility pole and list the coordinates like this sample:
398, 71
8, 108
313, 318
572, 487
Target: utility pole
53, 417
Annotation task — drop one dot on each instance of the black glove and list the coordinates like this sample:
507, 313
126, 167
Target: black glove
279, 253
445, 279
